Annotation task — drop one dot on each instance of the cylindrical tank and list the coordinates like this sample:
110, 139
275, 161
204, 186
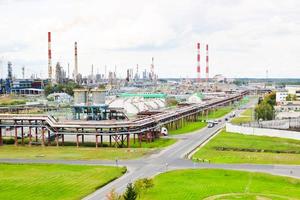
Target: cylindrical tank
98, 97
80, 97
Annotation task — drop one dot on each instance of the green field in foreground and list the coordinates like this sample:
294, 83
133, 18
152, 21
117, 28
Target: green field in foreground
47, 182
238, 148
213, 184
245, 117
70, 153
83, 153
188, 127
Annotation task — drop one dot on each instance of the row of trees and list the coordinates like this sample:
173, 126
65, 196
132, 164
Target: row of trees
265, 108
67, 88
133, 191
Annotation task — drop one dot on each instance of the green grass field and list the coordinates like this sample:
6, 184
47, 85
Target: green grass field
213, 184
83, 153
238, 148
189, 127
158, 143
51, 182
70, 153
220, 112
245, 117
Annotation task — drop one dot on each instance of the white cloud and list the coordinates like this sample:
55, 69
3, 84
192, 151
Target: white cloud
246, 37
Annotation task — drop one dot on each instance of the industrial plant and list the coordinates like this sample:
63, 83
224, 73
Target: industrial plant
104, 105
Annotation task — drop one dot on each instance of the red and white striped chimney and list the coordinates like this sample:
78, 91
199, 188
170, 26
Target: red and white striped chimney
207, 68
49, 57
198, 63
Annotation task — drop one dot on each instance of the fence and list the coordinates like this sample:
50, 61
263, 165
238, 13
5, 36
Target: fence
247, 130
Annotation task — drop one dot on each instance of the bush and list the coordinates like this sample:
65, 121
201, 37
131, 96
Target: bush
130, 193
142, 185
113, 195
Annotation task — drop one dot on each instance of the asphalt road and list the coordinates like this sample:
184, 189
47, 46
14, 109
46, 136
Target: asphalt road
173, 157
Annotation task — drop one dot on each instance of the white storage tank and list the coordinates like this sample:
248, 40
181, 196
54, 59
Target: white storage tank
80, 97
98, 97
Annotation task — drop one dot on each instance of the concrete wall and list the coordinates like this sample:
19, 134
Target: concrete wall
262, 131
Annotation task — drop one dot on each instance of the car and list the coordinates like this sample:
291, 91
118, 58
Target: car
226, 119
215, 121
210, 125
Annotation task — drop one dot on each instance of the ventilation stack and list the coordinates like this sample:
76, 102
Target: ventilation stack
207, 68
198, 63
49, 57
76, 64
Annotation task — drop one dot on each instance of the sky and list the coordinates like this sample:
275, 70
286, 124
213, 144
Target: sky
245, 37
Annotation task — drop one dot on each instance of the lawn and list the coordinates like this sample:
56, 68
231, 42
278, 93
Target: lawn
71, 153
218, 113
83, 153
10, 101
188, 127
238, 148
47, 182
158, 143
245, 117
213, 184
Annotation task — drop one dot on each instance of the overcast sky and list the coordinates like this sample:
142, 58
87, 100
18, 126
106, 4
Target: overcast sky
245, 38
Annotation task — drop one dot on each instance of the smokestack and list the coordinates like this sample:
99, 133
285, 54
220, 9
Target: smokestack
76, 64
9, 70
207, 69
23, 72
152, 69
198, 63
49, 57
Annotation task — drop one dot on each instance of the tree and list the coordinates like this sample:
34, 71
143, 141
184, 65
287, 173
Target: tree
143, 185
130, 193
48, 90
291, 97
270, 99
264, 111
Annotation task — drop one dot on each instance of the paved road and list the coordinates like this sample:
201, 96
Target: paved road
173, 157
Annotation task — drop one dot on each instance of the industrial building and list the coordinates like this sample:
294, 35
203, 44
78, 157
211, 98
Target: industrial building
89, 104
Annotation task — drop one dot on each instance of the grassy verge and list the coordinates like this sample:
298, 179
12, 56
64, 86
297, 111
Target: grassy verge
83, 153
220, 112
238, 148
245, 117
189, 127
9, 101
158, 143
70, 153
39, 181
212, 184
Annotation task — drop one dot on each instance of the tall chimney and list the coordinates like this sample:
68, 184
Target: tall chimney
76, 64
207, 69
198, 63
49, 57
152, 70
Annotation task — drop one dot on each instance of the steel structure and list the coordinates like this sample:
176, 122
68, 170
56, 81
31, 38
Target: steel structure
119, 132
